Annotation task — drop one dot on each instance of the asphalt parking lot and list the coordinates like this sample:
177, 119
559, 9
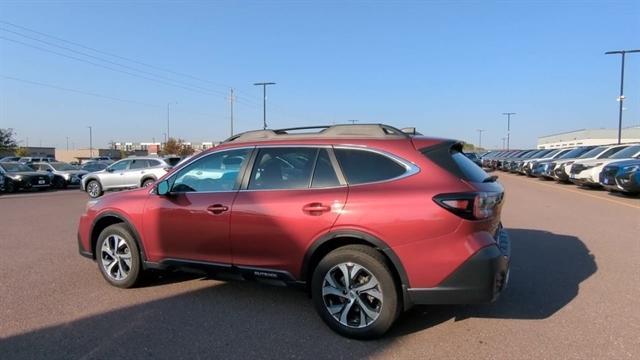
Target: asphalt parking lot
573, 294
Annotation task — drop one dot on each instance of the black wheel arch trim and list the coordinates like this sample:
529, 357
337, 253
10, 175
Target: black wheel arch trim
367, 238
123, 218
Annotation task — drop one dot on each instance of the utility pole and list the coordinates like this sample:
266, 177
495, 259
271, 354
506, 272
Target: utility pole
508, 126
621, 98
168, 117
231, 100
90, 141
264, 101
67, 143
503, 139
480, 137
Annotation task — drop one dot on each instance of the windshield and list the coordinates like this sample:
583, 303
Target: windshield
63, 166
593, 152
627, 152
552, 153
575, 152
15, 167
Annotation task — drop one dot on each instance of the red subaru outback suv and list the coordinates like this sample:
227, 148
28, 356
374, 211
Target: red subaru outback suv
370, 219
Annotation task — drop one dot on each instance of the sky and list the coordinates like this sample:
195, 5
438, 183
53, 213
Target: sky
447, 68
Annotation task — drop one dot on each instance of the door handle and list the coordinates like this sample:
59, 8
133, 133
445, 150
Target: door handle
316, 208
217, 209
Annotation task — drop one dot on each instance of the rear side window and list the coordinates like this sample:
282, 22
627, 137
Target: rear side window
610, 152
153, 163
450, 157
361, 166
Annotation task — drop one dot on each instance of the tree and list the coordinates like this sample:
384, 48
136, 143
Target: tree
185, 150
7, 140
172, 147
22, 151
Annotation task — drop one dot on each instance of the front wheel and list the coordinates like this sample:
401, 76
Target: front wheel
147, 182
118, 256
354, 292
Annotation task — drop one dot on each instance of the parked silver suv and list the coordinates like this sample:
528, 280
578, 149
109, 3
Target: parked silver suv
127, 173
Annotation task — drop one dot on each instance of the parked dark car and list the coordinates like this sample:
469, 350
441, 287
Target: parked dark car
19, 176
622, 176
64, 174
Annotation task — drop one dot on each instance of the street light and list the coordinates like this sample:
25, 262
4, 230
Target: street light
508, 114
264, 101
621, 98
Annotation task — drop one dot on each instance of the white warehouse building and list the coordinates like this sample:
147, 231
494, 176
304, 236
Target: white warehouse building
586, 137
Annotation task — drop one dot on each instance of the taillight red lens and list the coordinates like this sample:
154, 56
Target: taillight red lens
471, 206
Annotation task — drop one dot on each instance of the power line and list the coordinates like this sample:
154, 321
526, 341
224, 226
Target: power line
101, 65
249, 100
77, 91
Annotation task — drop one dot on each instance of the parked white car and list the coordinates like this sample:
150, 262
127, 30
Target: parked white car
586, 172
127, 173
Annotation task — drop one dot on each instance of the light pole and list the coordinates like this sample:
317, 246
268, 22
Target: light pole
90, 141
621, 98
264, 101
353, 122
67, 143
168, 117
480, 137
508, 126
231, 100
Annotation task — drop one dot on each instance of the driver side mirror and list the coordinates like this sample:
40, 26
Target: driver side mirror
109, 169
162, 188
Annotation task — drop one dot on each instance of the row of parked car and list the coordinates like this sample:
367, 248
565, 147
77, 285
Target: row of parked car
95, 177
613, 167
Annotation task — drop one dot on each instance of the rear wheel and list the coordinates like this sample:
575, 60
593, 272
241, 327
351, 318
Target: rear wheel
354, 292
118, 256
94, 189
10, 187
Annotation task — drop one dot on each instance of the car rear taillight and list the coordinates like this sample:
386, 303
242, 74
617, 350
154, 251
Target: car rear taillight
471, 206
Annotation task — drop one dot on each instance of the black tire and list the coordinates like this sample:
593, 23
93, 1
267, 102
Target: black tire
112, 234
59, 183
10, 187
97, 193
374, 263
147, 182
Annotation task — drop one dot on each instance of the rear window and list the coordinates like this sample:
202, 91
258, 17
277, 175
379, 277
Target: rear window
361, 166
449, 156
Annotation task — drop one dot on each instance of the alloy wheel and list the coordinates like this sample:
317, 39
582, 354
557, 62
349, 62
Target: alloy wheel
116, 257
352, 295
93, 189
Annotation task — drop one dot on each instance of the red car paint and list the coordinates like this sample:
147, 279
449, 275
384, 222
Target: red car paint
277, 229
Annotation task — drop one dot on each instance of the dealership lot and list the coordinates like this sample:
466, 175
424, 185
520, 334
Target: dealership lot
573, 294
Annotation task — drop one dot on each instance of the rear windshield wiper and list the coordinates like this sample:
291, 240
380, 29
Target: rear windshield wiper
491, 178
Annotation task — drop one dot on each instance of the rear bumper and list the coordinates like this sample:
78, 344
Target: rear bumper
480, 279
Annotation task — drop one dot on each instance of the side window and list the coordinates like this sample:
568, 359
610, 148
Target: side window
361, 166
215, 172
152, 163
120, 165
610, 152
138, 164
324, 174
283, 168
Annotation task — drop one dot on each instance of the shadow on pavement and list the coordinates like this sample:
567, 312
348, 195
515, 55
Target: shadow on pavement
242, 319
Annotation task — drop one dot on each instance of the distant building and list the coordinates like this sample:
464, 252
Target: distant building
588, 137
38, 151
156, 147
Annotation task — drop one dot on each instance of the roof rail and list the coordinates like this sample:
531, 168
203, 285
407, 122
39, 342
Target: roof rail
326, 131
